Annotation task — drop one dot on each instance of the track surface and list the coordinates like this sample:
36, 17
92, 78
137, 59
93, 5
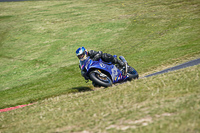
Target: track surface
184, 65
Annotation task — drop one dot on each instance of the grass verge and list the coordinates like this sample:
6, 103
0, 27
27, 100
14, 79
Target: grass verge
38, 40
163, 103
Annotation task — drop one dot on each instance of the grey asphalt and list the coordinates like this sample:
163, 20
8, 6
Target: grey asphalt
184, 65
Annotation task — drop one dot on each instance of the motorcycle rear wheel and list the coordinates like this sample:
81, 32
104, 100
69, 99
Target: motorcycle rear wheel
100, 79
133, 74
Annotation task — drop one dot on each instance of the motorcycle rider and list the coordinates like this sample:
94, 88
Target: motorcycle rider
82, 54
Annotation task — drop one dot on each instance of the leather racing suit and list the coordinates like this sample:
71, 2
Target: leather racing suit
94, 55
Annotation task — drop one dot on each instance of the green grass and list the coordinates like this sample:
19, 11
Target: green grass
163, 103
38, 40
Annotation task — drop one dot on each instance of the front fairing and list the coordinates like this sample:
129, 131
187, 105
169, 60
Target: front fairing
88, 65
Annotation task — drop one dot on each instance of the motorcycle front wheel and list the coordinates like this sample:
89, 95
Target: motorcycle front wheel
100, 79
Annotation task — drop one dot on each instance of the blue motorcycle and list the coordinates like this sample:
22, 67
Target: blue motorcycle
105, 73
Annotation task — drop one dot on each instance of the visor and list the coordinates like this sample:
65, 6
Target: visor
81, 55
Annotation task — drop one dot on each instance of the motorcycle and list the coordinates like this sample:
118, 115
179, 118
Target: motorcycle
105, 73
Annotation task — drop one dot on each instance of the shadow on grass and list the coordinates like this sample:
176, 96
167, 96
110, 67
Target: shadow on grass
82, 89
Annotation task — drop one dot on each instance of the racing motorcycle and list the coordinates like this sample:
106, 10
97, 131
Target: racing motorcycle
105, 73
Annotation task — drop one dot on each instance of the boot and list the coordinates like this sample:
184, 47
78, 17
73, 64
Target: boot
124, 67
121, 65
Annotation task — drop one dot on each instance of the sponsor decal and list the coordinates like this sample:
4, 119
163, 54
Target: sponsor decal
102, 65
114, 72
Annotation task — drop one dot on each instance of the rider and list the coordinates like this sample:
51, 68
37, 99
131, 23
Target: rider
82, 54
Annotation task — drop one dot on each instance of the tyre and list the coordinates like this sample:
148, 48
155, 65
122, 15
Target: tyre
132, 73
100, 79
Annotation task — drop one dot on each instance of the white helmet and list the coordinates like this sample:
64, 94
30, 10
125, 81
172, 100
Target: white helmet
81, 53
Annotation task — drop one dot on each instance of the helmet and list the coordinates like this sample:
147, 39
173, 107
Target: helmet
81, 53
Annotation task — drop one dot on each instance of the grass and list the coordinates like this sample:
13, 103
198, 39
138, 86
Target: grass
163, 103
38, 40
